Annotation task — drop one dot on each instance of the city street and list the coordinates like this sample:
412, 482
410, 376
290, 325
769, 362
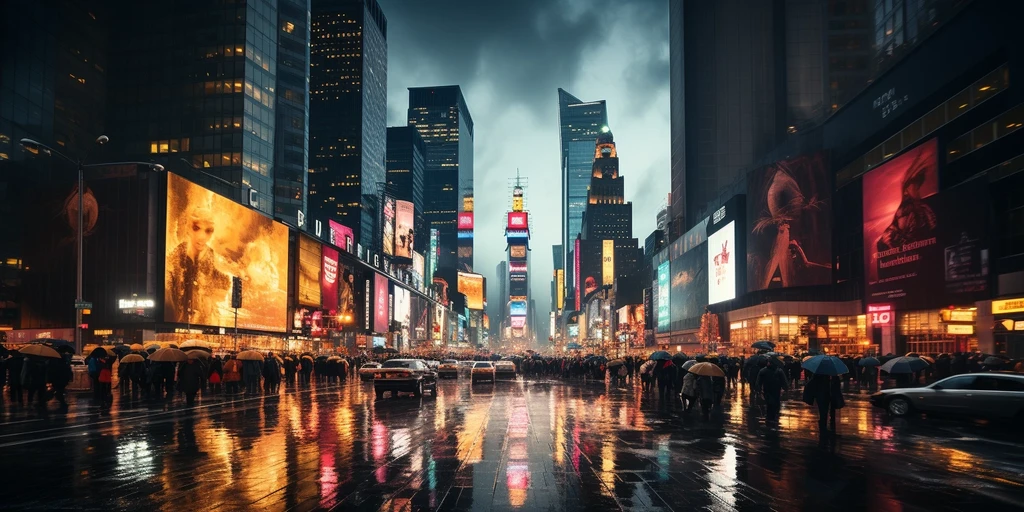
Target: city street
532, 445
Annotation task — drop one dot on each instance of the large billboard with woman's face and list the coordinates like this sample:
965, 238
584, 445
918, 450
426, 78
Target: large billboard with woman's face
209, 240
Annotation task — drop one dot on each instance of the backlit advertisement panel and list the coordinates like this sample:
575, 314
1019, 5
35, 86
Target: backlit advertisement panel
789, 224
388, 222
631, 325
517, 308
347, 289
517, 220
591, 259
518, 322
209, 239
308, 270
404, 229
380, 303
517, 267
722, 264
432, 256
402, 311
417, 265
465, 221
689, 288
517, 251
664, 313
560, 287
472, 286
342, 236
607, 262
329, 278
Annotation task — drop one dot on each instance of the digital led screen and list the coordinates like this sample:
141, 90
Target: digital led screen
518, 220
722, 264
465, 221
342, 236
607, 262
664, 313
403, 310
518, 322
517, 308
380, 301
517, 251
308, 271
388, 221
404, 215
329, 279
472, 286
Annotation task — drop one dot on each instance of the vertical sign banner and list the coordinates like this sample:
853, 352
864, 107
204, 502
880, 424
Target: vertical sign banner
381, 303
608, 262
432, 255
560, 288
404, 215
329, 279
388, 219
722, 264
576, 273
664, 313
309, 272
417, 267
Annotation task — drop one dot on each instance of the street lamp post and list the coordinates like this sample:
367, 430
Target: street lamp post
36, 147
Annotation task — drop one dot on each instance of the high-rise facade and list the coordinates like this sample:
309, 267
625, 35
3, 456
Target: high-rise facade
406, 158
608, 216
291, 151
348, 113
441, 116
579, 123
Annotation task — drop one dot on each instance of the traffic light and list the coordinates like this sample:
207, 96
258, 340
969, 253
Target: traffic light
236, 292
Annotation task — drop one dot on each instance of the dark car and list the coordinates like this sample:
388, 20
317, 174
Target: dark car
404, 375
991, 395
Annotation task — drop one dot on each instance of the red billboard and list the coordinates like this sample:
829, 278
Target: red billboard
342, 236
465, 221
380, 303
329, 279
518, 220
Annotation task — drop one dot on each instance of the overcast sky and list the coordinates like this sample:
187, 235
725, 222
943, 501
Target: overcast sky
510, 57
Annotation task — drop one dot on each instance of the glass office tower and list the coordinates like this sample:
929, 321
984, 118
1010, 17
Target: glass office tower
292, 148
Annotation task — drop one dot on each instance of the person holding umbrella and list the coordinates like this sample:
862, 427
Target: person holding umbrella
771, 382
824, 388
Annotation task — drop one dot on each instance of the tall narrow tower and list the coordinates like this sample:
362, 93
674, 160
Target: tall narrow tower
517, 234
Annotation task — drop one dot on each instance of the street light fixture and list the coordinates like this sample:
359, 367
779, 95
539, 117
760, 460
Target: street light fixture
37, 147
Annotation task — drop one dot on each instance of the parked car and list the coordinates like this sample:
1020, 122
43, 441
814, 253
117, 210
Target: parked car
482, 370
991, 395
368, 370
408, 375
448, 368
504, 370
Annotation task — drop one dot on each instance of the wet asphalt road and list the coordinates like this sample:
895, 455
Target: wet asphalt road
528, 445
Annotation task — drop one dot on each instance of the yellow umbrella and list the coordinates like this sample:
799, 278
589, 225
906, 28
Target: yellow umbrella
137, 346
132, 358
168, 355
929, 359
249, 355
39, 351
197, 354
707, 370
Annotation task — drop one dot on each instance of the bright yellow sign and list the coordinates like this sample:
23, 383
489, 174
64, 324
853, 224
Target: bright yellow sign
560, 288
1002, 307
608, 262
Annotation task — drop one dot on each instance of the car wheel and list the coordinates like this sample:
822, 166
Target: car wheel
380, 395
898, 406
418, 392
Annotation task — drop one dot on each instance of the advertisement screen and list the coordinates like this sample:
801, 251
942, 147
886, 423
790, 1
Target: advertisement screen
472, 286
517, 308
591, 262
789, 222
342, 236
380, 303
722, 264
689, 288
608, 262
209, 240
329, 279
560, 288
417, 265
403, 310
517, 220
517, 251
388, 221
404, 229
573, 330
518, 322
465, 221
347, 289
664, 313
631, 325
308, 271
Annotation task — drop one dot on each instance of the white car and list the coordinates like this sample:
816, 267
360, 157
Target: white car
504, 370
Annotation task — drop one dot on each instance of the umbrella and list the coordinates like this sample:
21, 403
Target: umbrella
680, 355
616, 362
132, 358
825, 365
252, 355
120, 350
58, 345
930, 360
808, 357
912, 354
904, 365
868, 361
992, 361
763, 345
137, 347
707, 370
152, 346
647, 366
100, 352
196, 344
197, 354
304, 356
40, 351
168, 355
660, 355
689, 364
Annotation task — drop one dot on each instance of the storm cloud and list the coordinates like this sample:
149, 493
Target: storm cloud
510, 58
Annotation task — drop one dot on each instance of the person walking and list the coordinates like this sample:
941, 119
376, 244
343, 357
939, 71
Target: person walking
93, 366
706, 395
232, 375
826, 392
689, 390
58, 372
666, 379
190, 379
14, 367
271, 374
251, 372
771, 382
216, 374
33, 379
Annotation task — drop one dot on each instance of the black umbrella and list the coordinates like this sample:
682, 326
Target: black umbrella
660, 355
993, 361
679, 356
122, 350
62, 346
868, 361
763, 345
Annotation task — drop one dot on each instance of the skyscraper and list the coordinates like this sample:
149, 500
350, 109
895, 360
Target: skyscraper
579, 122
348, 113
443, 120
406, 158
291, 151
608, 216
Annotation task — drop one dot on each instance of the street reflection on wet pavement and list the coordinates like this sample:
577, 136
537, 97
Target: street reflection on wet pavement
529, 445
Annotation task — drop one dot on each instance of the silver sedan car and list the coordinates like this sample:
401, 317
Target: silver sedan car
991, 395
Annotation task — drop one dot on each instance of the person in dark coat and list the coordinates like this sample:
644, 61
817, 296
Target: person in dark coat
666, 378
58, 372
706, 395
33, 379
289, 371
827, 393
271, 374
190, 379
771, 382
3, 372
251, 372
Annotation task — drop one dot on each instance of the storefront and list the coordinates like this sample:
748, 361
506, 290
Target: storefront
937, 331
1008, 331
798, 327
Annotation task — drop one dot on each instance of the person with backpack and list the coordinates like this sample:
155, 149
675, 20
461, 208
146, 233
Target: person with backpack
771, 382
93, 367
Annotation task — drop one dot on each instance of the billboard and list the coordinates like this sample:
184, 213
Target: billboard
631, 325
518, 322
388, 223
688, 288
560, 288
517, 251
789, 224
607, 262
517, 221
417, 266
590, 260
380, 303
209, 239
517, 308
347, 289
342, 236
308, 270
465, 221
517, 267
404, 218
472, 286
722, 264
329, 278
662, 298
403, 311
432, 256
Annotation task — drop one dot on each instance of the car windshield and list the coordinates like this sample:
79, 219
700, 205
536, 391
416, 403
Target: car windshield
398, 364
482, 365
450, 361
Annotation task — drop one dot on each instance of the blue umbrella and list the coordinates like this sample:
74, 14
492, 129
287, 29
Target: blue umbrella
825, 365
904, 365
868, 361
661, 355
